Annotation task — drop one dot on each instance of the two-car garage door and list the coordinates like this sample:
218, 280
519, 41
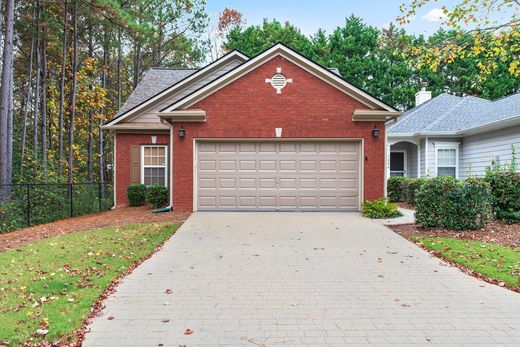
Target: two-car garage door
278, 175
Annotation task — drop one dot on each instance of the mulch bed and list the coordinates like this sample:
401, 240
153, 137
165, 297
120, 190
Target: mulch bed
494, 232
406, 205
118, 217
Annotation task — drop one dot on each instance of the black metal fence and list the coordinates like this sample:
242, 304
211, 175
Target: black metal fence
26, 204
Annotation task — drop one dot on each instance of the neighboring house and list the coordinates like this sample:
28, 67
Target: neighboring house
272, 132
453, 136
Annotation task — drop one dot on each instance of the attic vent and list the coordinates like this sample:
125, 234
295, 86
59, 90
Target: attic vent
278, 81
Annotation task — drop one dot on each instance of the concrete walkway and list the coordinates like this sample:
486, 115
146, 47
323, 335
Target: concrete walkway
301, 279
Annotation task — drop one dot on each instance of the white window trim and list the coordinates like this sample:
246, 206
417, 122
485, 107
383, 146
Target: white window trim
447, 145
405, 161
155, 166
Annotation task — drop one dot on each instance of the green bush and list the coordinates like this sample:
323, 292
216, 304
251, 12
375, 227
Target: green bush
410, 188
136, 194
157, 195
380, 208
505, 187
448, 203
394, 188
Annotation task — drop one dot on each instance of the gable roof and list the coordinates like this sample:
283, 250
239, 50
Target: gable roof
154, 81
450, 115
148, 94
280, 49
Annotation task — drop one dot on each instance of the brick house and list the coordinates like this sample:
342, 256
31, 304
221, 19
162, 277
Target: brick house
272, 132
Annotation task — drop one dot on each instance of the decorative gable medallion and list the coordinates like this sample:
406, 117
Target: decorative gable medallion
278, 81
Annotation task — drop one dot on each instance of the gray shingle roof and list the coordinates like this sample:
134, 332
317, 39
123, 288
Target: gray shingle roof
154, 81
448, 113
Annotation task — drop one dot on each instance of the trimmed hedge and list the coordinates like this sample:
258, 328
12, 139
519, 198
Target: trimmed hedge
380, 208
448, 203
136, 194
403, 189
394, 188
505, 187
157, 195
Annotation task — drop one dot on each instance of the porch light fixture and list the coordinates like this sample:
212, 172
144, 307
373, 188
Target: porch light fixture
182, 132
375, 132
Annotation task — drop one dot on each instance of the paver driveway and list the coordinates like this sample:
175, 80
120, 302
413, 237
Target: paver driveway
262, 279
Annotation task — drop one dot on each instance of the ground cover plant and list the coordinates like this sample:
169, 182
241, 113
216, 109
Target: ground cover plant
47, 288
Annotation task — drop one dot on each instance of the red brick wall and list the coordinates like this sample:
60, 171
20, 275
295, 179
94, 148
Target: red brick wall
123, 143
307, 108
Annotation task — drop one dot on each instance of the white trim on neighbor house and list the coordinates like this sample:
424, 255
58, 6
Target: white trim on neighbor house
405, 161
176, 86
165, 166
447, 145
500, 124
280, 50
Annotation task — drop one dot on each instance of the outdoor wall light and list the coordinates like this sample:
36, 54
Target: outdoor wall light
375, 132
182, 132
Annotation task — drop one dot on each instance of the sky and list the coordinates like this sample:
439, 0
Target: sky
310, 15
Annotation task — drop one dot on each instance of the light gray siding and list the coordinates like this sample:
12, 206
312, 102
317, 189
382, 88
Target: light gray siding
423, 158
479, 150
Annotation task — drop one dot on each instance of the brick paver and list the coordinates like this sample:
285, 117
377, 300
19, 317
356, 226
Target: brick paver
301, 279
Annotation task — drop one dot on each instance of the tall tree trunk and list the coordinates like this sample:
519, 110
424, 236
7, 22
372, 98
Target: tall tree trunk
119, 59
28, 98
62, 90
101, 144
90, 151
6, 96
73, 92
37, 88
137, 62
44, 91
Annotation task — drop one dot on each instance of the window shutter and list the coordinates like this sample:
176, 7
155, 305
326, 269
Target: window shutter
135, 164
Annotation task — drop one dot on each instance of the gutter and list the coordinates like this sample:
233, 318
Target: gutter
508, 122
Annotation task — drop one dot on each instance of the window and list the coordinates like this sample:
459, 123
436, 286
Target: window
154, 165
447, 158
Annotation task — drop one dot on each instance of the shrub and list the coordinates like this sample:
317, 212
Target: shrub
136, 194
446, 202
157, 195
505, 187
410, 188
395, 188
380, 208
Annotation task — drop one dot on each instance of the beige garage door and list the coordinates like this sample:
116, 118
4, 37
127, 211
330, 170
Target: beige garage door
278, 175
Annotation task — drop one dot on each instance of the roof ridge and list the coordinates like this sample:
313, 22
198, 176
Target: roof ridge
173, 68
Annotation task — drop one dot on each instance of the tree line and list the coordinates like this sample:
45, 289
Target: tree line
67, 67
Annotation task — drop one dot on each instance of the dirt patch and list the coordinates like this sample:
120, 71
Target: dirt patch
406, 205
494, 232
118, 217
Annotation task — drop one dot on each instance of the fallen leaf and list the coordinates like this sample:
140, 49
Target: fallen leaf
165, 320
188, 332
168, 291
110, 317
42, 332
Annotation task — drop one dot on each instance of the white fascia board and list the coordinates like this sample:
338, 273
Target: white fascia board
177, 86
308, 65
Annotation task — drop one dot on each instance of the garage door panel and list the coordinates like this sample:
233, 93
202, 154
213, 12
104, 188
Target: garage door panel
278, 175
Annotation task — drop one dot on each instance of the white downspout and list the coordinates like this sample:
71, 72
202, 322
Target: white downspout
170, 167
114, 173
426, 157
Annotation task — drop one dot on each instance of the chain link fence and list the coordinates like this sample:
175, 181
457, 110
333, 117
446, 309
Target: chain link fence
26, 204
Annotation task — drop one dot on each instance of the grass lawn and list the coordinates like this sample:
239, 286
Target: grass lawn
50, 285
497, 262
